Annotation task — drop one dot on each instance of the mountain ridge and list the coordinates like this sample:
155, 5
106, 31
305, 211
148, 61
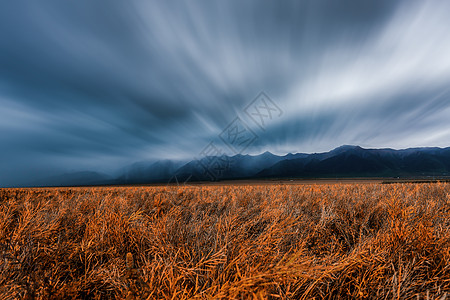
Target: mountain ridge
345, 161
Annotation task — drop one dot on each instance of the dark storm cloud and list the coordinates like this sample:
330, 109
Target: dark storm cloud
98, 84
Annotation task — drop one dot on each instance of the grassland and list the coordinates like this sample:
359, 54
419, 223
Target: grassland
329, 241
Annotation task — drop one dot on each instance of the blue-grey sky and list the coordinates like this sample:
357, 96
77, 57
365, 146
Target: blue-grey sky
99, 84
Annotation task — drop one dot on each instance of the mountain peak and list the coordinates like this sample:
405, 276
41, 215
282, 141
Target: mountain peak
349, 147
266, 153
344, 148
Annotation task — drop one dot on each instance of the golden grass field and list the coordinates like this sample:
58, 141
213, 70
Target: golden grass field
328, 241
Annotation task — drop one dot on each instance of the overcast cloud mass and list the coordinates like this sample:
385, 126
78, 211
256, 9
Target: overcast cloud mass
96, 85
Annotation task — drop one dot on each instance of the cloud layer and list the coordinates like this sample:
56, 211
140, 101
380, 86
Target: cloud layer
95, 85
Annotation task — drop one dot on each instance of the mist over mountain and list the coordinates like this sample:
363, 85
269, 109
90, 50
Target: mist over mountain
143, 172
343, 162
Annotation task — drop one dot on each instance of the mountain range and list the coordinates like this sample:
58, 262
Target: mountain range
343, 162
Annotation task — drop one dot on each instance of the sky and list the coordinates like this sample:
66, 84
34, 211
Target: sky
100, 84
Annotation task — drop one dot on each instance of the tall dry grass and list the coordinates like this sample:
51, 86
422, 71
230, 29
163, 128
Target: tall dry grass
366, 241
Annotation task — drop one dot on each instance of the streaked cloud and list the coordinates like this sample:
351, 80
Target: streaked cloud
95, 85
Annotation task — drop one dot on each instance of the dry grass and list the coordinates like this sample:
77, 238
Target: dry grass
367, 241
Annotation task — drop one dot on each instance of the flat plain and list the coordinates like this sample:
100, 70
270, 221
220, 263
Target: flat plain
362, 240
